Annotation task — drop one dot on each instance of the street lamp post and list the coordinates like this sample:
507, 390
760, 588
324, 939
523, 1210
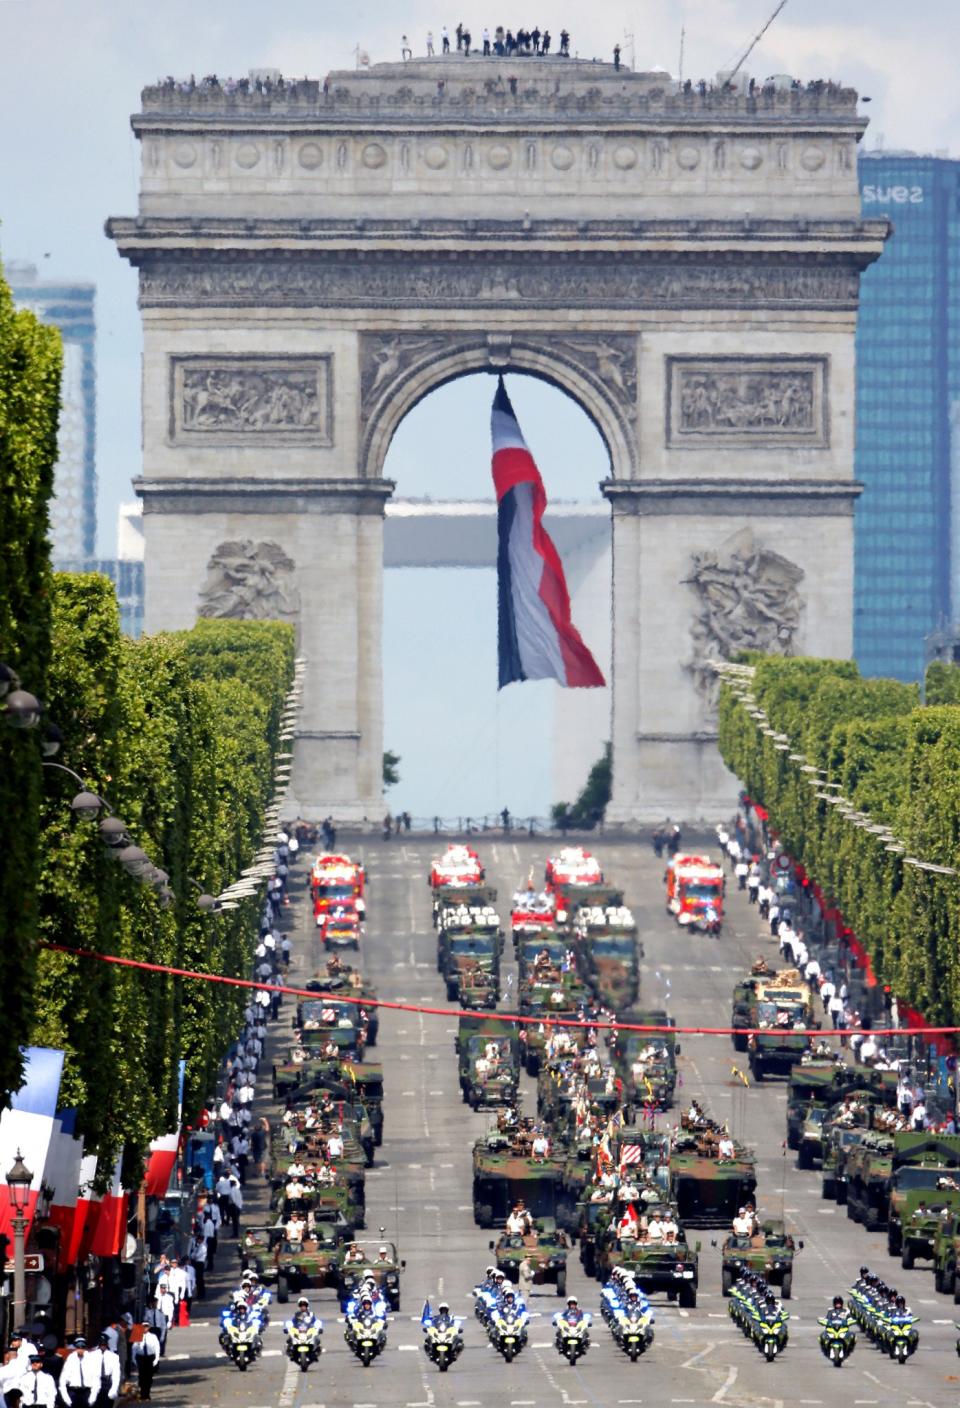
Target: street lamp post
19, 1179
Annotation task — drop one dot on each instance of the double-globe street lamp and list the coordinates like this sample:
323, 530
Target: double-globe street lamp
19, 1179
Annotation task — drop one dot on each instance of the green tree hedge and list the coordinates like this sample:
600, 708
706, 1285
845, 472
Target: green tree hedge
30, 367
894, 761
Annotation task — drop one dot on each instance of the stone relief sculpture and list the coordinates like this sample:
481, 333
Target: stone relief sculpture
748, 399
252, 399
748, 598
248, 581
428, 283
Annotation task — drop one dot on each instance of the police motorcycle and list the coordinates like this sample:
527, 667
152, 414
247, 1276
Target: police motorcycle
572, 1331
487, 1294
442, 1335
884, 1317
899, 1336
240, 1333
632, 1326
303, 1332
759, 1314
365, 1330
837, 1337
508, 1325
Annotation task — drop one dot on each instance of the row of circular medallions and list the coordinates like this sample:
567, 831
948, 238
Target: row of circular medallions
437, 155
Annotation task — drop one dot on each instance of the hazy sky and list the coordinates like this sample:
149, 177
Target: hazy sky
73, 70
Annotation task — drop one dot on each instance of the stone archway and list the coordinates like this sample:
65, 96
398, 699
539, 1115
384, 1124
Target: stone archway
313, 260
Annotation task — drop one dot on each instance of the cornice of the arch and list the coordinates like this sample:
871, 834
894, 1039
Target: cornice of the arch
598, 370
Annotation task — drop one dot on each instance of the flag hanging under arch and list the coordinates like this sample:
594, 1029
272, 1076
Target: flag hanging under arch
537, 640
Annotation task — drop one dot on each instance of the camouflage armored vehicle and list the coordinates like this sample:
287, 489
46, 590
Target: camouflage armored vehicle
477, 1037
925, 1175
339, 978
478, 990
256, 1251
869, 1167
822, 1081
593, 1219
358, 1260
561, 995
946, 1257
545, 1249
323, 1022
504, 1170
657, 1266
770, 1253
780, 1010
709, 1189
310, 1264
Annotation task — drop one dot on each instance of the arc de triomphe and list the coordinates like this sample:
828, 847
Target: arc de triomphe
314, 259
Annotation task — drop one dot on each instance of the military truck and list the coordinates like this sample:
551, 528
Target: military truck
549, 947
778, 1008
545, 1249
608, 958
769, 1252
323, 1022
358, 1260
504, 1170
342, 978
709, 1190
461, 952
656, 1266
256, 1251
946, 1256
358, 1081
839, 1140
573, 898
561, 995
646, 1062
925, 1174
869, 1167
822, 1081
448, 897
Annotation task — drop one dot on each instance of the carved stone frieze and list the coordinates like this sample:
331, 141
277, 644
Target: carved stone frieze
250, 400
541, 281
755, 401
747, 598
247, 580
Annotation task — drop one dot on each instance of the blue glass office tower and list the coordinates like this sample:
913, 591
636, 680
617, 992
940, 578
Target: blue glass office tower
73, 510
908, 413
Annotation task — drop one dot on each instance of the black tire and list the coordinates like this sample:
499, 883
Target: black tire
242, 1365
485, 1214
769, 1352
634, 1352
365, 1357
739, 1042
828, 1190
283, 1290
508, 1354
786, 1289
906, 1257
726, 1281
304, 1363
443, 1364
688, 1297
804, 1157
572, 1356
840, 1194
562, 1281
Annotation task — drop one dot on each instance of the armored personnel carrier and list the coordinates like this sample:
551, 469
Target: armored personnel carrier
505, 1170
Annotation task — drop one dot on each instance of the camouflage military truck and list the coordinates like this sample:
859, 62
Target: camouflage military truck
505, 1170
545, 945
854, 1110
557, 996
354, 1268
775, 1005
324, 1021
448, 897
545, 1249
825, 1082
925, 1176
658, 1266
608, 960
460, 952
770, 1253
946, 1257
646, 1062
593, 1219
358, 1081
571, 899
313, 1263
478, 990
498, 1087
839, 1140
341, 978
709, 1190
869, 1166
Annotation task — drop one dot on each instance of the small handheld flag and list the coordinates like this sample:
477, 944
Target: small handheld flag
426, 1314
537, 639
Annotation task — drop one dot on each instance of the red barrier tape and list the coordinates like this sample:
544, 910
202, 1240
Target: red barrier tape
505, 1017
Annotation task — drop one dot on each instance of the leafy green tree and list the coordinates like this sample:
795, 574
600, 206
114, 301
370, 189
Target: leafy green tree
391, 768
30, 367
594, 797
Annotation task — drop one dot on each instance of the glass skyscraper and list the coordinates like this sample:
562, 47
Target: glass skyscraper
908, 413
73, 510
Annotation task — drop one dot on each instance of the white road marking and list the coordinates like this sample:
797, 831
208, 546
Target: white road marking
724, 1388
690, 1363
407, 1348
291, 1378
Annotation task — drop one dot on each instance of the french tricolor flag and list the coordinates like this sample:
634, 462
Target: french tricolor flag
537, 639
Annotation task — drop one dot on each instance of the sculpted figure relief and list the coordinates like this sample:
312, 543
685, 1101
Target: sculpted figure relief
748, 598
744, 400
248, 581
250, 399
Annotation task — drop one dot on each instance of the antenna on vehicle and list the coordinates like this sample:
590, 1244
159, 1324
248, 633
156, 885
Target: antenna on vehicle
755, 41
683, 34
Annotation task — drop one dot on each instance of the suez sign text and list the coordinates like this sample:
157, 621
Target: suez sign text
892, 195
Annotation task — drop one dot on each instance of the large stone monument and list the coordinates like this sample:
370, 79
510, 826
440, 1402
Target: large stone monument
314, 259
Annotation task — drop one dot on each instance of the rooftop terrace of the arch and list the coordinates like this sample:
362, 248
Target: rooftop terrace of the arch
314, 259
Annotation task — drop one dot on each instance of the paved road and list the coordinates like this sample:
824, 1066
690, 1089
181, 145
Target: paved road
420, 1191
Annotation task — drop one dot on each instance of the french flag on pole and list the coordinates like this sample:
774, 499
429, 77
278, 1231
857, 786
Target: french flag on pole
537, 639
